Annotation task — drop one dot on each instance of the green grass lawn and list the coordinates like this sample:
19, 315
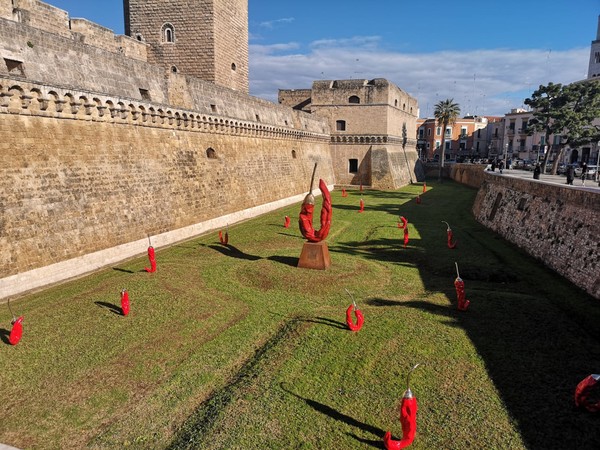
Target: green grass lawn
234, 347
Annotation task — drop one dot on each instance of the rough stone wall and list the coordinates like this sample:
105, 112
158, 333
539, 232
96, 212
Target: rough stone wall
469, 174
210, 37
39, 15
79, 176
558, 225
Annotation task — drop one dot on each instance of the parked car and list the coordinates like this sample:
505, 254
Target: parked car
591, 172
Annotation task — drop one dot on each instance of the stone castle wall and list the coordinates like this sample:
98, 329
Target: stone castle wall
83, 176
375, 115
100, 149
556, 224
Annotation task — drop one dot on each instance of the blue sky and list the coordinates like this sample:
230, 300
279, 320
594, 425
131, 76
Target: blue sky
487, 56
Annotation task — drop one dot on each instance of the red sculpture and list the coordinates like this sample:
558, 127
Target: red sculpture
16, 331
362, 206
344, 193
583, 390
224, 239
459, 284
449, 235
286, 222
306, 213
152, 259
418, 199
360, 319
125, 302
424, 186
408, 419
405, 227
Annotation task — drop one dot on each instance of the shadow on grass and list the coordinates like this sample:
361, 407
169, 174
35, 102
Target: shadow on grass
4, 334
118, 269
324, 321
111, 307
234, 252
336, 415
287, 260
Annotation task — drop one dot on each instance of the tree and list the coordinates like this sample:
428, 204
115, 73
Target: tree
446, 112
565, 111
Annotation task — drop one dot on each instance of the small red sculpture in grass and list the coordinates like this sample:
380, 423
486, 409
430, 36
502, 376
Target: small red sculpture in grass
124, 302
418, 199
306, 213
224, 239
360, 319
16, 331
408, 419
344, 193
361, 206
286, 222
404, 226
424, 187
459, 284
151, 258
583, 391
449, 235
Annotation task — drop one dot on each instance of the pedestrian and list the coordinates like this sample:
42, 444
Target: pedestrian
494, 165
537, 171
583, 173
501, 166
570, 174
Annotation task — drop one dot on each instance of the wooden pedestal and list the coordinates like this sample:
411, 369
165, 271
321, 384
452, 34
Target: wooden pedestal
315, 255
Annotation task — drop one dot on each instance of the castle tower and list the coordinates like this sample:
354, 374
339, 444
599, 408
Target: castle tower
594, 66
207, 39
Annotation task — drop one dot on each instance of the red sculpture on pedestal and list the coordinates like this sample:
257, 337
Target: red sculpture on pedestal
306, 213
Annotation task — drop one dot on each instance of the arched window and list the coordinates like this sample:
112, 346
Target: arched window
168, 33
210, 153
354, 99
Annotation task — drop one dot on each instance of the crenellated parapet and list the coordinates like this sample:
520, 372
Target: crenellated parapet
18, 97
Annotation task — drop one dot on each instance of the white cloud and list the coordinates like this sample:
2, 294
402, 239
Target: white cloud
482, 82
275, 23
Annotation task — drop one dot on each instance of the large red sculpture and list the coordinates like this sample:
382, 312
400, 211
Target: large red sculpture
16, 331
408, 419
305, 220
583, 390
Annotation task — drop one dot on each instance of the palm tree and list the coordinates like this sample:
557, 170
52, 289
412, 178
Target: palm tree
446, 112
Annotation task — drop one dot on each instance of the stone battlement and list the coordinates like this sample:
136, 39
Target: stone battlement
50, 19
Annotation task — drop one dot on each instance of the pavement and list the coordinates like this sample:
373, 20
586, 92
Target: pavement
590, 185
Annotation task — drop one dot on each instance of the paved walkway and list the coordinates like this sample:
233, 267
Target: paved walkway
590, 185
